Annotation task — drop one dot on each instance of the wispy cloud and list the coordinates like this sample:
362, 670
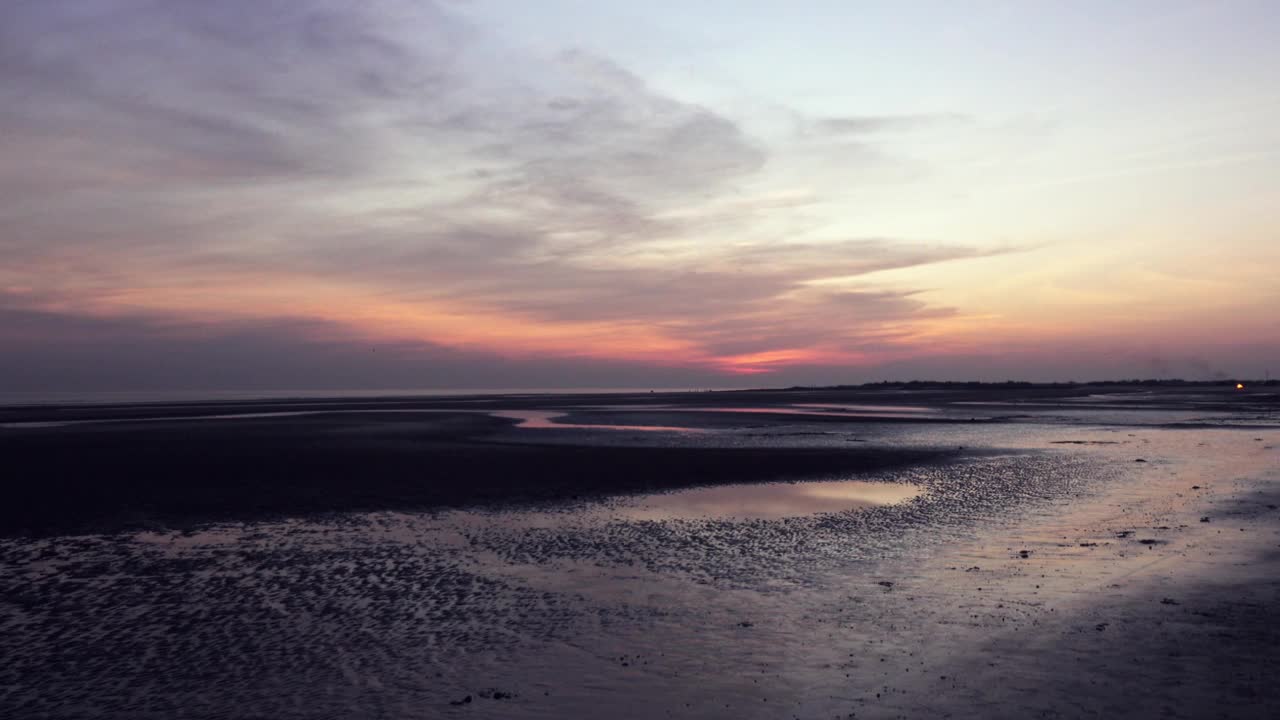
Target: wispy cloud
871, 124
393, 169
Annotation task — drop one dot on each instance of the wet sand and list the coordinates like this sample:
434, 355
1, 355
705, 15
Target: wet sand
1022, 562
138, 475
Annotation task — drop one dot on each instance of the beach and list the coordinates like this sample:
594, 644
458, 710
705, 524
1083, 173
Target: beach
885, 551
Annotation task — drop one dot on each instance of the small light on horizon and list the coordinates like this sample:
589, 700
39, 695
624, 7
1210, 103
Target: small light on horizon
1239, 386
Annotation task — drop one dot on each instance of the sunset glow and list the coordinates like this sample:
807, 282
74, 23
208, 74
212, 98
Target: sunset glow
497, 194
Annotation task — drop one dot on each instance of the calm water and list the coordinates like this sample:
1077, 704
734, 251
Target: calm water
548, 420
769, 500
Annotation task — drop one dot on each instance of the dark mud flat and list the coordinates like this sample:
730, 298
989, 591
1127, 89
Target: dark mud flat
445, 562
164, 473
111, 467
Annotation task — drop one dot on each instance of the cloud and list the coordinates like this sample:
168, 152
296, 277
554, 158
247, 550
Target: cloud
393, 169
46, 352
869, 124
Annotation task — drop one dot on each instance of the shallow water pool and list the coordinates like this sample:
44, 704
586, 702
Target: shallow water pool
769, 501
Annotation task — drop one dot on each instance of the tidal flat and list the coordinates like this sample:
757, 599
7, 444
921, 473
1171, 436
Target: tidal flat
994, 552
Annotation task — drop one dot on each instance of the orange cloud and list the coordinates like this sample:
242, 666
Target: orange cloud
367, 313
771, 360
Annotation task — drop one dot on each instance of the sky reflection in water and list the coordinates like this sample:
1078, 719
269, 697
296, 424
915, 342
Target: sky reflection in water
769, 501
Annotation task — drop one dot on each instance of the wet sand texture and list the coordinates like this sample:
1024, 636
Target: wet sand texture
453, 565
111, 477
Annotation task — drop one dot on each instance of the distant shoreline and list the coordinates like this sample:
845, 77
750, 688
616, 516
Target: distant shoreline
25, 399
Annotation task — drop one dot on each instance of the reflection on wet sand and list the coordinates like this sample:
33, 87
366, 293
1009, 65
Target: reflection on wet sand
770, 500
534, 419
849, 411
862, 407
545, 420
958, 586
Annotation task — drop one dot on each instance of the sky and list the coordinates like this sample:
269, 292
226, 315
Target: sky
571, 193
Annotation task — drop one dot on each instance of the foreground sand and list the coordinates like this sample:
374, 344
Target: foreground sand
1044, 572
1158, 598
